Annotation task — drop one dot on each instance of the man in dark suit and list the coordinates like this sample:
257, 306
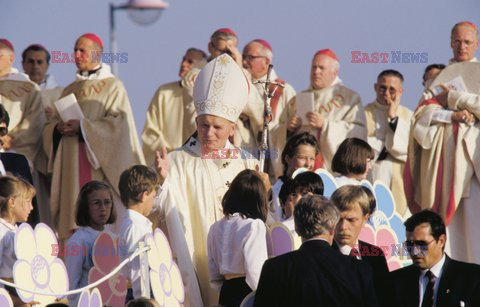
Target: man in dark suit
316, 274
356, 204
434, 279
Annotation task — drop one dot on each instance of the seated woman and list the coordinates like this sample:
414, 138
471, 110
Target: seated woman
237, 245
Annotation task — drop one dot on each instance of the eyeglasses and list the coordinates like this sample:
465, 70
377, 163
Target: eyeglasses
3, 131
96, 204
383, 88
250, 57
417, 243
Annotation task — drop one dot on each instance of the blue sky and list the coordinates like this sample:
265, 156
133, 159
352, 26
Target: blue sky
295, 29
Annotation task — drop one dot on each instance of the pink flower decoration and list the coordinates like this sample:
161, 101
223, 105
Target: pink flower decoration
386, 239
106, 257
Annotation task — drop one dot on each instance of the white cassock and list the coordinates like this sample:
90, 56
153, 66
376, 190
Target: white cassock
195, 188
50, 91
432, 131
344, 116
392, 139
170, 120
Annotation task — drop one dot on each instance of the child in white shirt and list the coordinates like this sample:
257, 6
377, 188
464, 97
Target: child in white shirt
138, 189
15, 205
237, 246
94, 209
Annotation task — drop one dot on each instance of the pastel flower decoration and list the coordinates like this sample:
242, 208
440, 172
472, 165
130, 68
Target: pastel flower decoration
106, 255
91, 299
5, 300
37, 267
329, 182
386, 239
165, 278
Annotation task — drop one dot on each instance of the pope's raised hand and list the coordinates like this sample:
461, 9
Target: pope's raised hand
161, 164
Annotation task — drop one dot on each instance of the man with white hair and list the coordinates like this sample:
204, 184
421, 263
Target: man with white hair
170, 103
443, 164
200, 172
257, 56
97, 147
338, 111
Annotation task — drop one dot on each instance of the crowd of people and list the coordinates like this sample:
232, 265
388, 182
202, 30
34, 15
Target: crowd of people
196, 174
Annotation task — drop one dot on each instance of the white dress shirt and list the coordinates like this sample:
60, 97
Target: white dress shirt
236, 246
346, 249
133, 229
436, 270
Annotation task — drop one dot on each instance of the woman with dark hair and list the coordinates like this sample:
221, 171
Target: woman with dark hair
352, 161
237, 246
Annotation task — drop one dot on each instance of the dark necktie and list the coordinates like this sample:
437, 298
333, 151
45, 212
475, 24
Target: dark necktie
428, 294
354, 252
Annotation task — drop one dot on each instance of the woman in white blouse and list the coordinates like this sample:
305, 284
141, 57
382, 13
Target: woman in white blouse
237, 246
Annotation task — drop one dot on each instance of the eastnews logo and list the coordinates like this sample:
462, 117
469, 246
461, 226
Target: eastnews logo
106, 57
384, 57
59, 250
394, 250
242, 153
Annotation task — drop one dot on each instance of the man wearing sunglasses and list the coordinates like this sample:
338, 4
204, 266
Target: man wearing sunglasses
434, 279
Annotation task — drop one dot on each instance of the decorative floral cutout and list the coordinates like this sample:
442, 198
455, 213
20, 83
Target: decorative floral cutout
280, 238
91, 299
387, 226
5, 300
329, 182
37, 266
165, 278
106, 255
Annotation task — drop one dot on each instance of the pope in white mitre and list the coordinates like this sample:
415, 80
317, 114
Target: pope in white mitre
97, 147
201, 171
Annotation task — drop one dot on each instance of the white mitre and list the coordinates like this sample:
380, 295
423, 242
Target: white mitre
221, 89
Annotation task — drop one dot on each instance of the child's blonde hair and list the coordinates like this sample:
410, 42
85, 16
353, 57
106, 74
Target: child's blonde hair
11, 187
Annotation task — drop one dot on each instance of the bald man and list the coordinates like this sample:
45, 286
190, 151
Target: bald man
443, 149
170, 103
338, 111
97, 147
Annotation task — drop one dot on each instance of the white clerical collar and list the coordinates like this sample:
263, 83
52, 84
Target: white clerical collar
437, 269
103, 73
15, 75
452, 61
194, 146
48, 83
346, 249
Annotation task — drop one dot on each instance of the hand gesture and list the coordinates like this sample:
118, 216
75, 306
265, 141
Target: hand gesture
161, 164
315, 120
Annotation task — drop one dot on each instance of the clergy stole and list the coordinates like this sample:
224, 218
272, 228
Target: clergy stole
342, 110
23, 102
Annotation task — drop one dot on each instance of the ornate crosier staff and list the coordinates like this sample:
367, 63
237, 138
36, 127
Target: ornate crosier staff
267, 114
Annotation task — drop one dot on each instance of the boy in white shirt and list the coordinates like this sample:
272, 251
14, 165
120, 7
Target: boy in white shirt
138, 189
